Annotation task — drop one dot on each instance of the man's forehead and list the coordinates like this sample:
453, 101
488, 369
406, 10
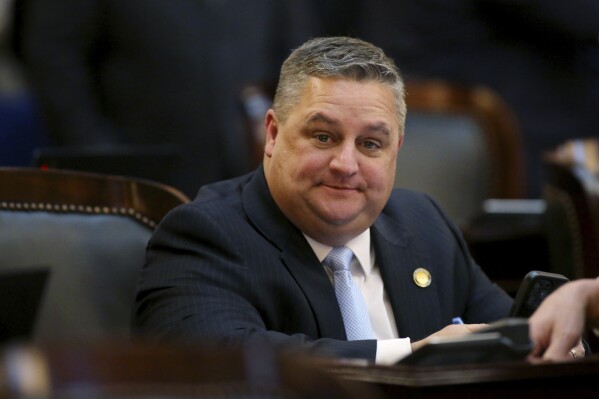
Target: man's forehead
321, 98
330, 86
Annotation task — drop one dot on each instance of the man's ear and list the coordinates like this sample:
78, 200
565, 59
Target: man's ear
272, 130
400, 143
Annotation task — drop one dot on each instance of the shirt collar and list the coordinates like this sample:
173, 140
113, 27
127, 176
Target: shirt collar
359, 245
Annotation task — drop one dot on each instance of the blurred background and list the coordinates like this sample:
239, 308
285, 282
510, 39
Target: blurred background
175, 91
168, 80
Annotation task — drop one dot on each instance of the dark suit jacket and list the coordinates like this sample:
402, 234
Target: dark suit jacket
230, 266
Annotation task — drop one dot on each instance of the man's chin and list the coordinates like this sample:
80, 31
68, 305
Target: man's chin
338, 216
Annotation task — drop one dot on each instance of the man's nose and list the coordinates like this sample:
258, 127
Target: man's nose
345, 160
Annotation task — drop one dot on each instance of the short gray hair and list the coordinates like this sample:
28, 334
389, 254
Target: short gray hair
336, 57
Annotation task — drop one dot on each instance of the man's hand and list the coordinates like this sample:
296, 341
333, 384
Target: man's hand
556, 326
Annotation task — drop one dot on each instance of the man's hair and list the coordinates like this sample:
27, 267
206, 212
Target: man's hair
336, 57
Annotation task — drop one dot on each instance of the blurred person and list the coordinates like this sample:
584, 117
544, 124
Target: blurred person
114, 74
258, 258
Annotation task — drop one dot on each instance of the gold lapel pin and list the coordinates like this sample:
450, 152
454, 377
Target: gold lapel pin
422, 277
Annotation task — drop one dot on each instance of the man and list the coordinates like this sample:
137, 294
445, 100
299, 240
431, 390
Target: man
556, 326
243, 261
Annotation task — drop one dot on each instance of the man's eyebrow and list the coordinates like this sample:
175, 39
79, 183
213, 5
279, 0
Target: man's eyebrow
318, 117
380, 127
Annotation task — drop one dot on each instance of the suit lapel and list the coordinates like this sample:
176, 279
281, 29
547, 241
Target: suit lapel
415, 308
310, 275
296, 254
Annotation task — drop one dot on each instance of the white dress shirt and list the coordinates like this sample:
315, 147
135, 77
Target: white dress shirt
367, 277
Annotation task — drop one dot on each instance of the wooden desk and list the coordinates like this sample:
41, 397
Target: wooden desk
140, 370
576, 379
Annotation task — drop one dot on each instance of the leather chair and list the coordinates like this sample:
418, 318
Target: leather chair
572, 196
91, 231
462, 146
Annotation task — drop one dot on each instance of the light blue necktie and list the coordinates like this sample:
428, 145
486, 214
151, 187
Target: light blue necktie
351, 303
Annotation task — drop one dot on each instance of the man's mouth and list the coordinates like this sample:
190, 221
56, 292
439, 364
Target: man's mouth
341, 187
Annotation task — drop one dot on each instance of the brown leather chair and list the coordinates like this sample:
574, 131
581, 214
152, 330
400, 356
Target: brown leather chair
90, 231
462, 146
572, 196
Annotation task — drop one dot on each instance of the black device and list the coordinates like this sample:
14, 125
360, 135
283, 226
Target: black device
535, 287
501, 341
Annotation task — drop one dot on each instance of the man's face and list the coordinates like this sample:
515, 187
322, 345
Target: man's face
331, 166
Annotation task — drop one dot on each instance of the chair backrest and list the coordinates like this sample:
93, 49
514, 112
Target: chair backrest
572, 196
462, 146
91, 231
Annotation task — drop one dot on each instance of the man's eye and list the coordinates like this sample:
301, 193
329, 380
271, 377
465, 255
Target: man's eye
322, 138
371, 145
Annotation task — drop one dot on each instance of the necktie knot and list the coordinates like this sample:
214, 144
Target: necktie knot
339, 259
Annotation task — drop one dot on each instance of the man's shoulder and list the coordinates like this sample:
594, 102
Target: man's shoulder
401, 197
412, 206
222, 199
224, 190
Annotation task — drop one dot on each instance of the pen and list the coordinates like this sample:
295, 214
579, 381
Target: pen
457, 320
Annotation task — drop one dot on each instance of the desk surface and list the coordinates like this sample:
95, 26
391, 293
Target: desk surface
575, 379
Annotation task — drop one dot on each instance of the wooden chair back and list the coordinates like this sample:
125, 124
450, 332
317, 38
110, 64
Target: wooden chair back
572, 196
90, 231
462, 146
